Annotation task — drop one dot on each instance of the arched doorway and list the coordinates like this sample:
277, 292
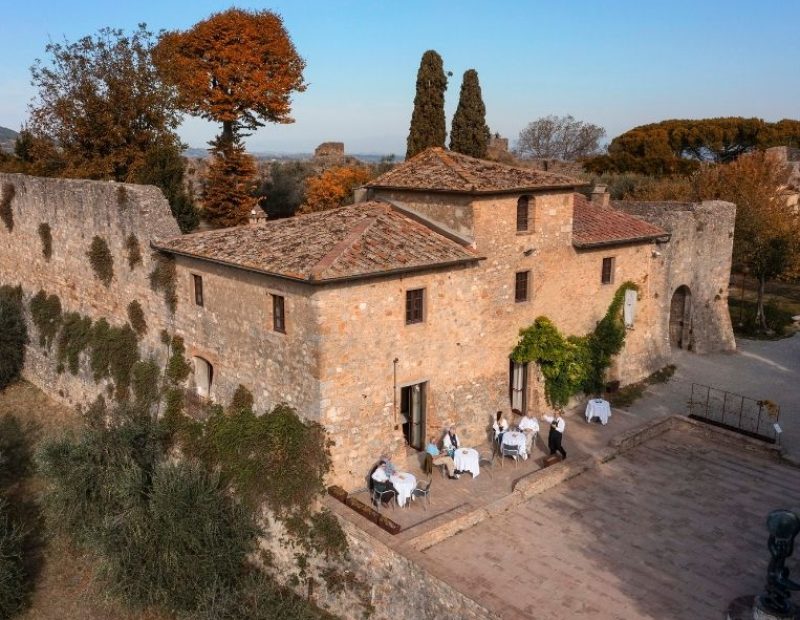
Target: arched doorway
203, 376
680, 318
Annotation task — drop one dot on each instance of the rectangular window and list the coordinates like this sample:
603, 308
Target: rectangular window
415, 306
198, 290
521, 286
607, 277
278, 315
523, 205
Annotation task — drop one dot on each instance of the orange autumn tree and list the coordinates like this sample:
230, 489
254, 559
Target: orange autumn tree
238, 68
333, 187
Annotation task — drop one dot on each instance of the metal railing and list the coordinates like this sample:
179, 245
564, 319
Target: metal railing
751, 417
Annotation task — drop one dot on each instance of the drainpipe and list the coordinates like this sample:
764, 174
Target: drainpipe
394, 392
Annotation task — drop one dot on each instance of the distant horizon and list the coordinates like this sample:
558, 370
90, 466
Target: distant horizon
618, 65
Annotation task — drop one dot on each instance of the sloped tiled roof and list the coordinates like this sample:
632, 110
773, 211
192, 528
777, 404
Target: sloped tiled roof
350, 242
436, 169
595, 226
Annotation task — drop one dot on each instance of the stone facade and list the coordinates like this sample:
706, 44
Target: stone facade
346, 352
76, 211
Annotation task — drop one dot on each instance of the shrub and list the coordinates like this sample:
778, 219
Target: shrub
6, 212
16, 459
136, 317
242, 399
47, 240
134, 251
73, 340
46, 315
163, 279
13, 335
13, 577
101, 260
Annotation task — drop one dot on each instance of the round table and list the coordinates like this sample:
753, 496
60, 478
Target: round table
598, 408
467, 459
516, 438
404, 483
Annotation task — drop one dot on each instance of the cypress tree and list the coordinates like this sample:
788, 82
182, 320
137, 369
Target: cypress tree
427, 121
469, 134
228, 183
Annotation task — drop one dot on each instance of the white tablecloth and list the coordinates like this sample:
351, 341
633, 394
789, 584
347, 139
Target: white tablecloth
466, 459
598, 408
516, 438
404, 483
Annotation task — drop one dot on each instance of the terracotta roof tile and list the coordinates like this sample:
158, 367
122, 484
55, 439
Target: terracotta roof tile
436, 169
594, 226
356, 241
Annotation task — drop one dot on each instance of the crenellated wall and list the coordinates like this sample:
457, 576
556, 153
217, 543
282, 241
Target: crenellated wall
77, 211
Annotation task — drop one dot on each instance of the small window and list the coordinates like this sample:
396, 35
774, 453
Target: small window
521, 286
198, 290
203, 376
415, 306
523, 214
607, 277
278, 314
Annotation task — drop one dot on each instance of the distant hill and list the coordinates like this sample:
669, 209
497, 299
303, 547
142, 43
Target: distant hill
372, 158
7, 138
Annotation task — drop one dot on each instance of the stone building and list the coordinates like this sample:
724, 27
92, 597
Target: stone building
394, 317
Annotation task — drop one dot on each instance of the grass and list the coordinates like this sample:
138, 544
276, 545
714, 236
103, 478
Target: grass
781, 303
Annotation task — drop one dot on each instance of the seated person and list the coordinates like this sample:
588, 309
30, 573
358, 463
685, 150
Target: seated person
450, 441
500, 426
380, 474
529, 426
441, 459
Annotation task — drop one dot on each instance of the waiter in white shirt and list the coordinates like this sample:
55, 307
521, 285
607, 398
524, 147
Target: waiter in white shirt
529, 426
557, 426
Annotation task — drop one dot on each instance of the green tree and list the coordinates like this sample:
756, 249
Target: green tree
164, 167
428, 121
469, 133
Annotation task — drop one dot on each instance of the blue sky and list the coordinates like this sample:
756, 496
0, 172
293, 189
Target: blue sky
616, 63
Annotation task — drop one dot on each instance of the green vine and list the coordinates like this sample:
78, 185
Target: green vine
47, 240
6, 213
163, 278
72, 341
114, 351
134, 251
46, 315
136, 317
575, 363
101, 260
145, 384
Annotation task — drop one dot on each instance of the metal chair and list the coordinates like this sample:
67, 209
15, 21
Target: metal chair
485, 459
380, 491
512, 451
423, 490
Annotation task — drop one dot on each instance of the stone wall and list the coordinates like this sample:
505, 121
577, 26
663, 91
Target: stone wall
698, 256
233, 330
454, 211
76, 211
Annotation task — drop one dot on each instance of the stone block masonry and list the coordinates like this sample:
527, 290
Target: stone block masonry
76, 212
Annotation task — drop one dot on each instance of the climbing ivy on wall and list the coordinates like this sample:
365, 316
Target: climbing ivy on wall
163, 278
575, 363
73, 339
134, 251
136, 317
101, 260
6, 214
47, 240
46, 315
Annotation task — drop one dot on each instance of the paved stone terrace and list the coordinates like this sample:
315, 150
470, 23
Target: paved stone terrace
673, 528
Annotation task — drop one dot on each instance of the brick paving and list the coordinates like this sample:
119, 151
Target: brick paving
673, 528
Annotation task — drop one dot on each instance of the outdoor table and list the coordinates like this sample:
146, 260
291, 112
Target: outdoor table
516, 438
466, 459
598, 408
404, 483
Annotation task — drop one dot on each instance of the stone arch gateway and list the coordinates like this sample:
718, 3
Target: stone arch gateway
680, 318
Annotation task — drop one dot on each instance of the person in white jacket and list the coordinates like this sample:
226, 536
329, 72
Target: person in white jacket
529, 426
557, 426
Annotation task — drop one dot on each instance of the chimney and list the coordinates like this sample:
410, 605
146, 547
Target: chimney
600, 196
257, 217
